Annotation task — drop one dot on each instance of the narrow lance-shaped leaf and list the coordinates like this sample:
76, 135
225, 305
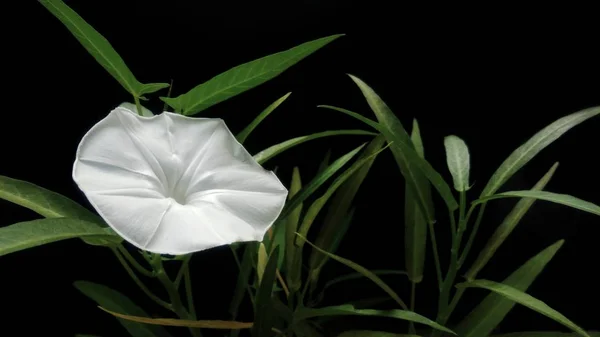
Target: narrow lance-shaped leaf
204, 324
336, 217
44, 202
458, 160
318, 204
408, 160
563, 199
293, 263
263, 311
243, 77
354, 276
482, 320
99, 48
358, 268
261, 264
372, 333
341, 310
546, 334
29, 234
241, 137
50, 204
415, 222
113, 300
266, 154
525, 300
317, 181
325, 162
522, 155
506, 227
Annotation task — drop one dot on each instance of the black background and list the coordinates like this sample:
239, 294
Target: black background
492, 75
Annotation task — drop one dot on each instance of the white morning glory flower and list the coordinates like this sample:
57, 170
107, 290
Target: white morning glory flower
171, 184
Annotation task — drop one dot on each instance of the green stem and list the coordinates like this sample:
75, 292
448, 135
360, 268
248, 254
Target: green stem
413, 292
188, 293
138, 106
465, 253
182, 269
443, 303
139, 283
436, 255
169, 286
134, 262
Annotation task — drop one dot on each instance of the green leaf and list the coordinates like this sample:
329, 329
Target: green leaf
458, 160
522, 155
99, 48
44, 202
506, 227
265, 155
29, 234
241, 137
306, 313
563, 199
415, 222
336, 220
262, 261
115, 301
317, 205
408, 160
243, 276
358, 268
325, 162
354, 276
263, 312
317, 181
53, 205
369, 333
491, 311
546, 334
524, 299
204, 324
293, 263
243, 77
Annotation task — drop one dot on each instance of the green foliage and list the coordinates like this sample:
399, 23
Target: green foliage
243, 77
284, 290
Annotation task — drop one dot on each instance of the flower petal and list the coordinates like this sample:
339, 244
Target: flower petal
172, 184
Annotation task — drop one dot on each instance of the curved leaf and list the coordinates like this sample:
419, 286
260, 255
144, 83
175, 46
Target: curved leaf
506, 227
340, 310
525, 300
563, 199
522, 155
404, 152
336, 220
42, 201
484, 318
458, 159
546, 334
266, 154
263, 310
415, 221
317, 181
113, 300
243, 77
99, 48
358, 268
29, 234
293, 260
241, 137
368, 333
212, 324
